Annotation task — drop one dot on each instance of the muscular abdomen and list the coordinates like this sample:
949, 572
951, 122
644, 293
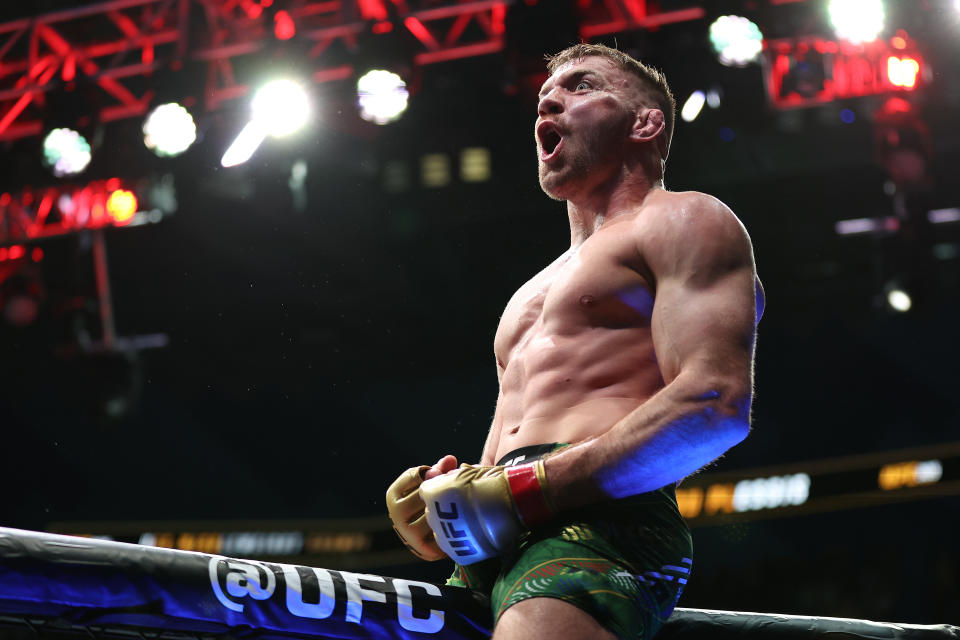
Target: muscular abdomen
576, 346
566, 387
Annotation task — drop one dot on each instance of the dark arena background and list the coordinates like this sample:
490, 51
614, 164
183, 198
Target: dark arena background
239, 359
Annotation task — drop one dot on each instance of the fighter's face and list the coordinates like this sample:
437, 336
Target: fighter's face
586, 111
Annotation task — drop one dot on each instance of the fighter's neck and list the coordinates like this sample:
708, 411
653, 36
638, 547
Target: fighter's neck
587, 215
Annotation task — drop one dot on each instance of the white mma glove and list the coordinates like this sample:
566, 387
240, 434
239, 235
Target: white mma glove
477, 512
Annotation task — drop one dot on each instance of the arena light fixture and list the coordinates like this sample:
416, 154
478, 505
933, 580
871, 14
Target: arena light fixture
435, 170
279, 109
396, 176
66, 152
382, 96
21, 291
857, 21
903, 72
169, 130
899, 300
475, 164
692, 106
736, 40
284, 27
713, 98
941, 216
122, 206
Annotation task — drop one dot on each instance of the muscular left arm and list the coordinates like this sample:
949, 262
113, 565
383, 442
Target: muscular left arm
703, 328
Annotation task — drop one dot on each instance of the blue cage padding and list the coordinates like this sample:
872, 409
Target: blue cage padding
86, 583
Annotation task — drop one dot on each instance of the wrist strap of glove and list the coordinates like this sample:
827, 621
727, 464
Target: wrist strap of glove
528, 485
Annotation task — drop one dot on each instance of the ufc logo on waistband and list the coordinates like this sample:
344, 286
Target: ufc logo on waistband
515, 461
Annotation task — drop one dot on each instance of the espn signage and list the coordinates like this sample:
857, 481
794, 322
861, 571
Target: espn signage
809, 71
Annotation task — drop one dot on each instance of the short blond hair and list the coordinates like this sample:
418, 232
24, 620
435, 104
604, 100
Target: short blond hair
654, 83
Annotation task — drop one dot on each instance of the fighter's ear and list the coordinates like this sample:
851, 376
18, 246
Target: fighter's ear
648, 125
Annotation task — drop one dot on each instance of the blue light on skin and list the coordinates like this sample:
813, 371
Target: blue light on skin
678, 449
848, 116
726, 134
639, 299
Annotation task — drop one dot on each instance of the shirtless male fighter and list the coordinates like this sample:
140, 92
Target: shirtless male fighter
624, 366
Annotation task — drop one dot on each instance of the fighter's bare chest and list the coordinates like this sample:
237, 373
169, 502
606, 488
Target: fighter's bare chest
598, 285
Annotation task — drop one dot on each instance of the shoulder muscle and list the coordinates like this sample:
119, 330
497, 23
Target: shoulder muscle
695, 237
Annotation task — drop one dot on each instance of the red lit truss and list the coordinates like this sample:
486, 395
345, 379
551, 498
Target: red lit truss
37, 213
119, 47
804, 72
122, 48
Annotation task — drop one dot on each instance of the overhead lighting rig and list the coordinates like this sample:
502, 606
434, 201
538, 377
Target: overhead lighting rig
111, 46
34, 214
804, 72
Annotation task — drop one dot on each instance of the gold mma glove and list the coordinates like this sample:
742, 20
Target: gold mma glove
406, 510
477, 512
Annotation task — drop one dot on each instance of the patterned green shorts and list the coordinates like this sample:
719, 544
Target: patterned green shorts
624, 562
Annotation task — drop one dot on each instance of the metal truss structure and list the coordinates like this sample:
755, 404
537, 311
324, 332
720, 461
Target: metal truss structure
37, 213
121, 48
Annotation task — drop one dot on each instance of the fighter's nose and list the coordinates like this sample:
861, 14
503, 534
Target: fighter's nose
549, 105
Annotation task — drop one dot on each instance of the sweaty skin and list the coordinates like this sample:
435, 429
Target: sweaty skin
637, 343
575, 347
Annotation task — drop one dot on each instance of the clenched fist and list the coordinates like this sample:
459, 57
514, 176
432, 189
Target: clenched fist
406, 510
478, 512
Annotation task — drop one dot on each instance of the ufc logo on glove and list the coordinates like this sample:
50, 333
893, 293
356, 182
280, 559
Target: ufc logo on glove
478, 512
457, 539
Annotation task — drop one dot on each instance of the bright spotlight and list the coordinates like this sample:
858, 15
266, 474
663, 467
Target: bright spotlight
693, 105
169, 130
281, 107
899, 300
66, 152
737, 40
122, 205
857, 20
382, 96
903, 72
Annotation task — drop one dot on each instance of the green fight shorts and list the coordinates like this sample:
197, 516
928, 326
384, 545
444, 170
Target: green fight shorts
624, 562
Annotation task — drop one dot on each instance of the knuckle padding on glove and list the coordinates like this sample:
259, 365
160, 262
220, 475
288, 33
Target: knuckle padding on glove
408, 507
407, 484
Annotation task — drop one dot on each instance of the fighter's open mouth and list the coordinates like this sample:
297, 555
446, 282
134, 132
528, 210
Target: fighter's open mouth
550, 139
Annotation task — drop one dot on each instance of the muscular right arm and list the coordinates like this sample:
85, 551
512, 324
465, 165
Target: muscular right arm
704, 330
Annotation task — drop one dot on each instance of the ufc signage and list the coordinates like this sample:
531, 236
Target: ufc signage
321, 594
